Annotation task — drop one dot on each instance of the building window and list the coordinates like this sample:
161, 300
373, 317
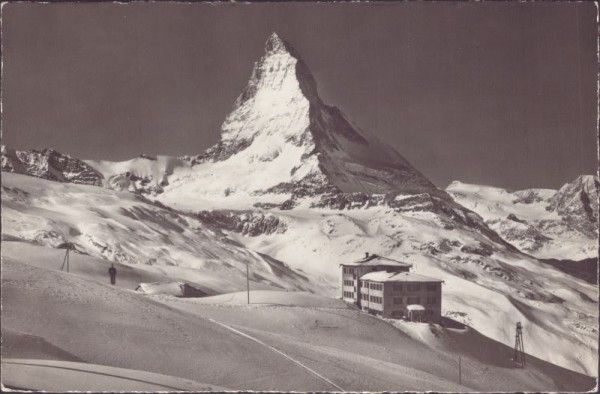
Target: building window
431, 286
375, 299
413, 300
397, 300
431, 300
397, 287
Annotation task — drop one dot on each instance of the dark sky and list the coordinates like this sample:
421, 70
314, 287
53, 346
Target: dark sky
497, 93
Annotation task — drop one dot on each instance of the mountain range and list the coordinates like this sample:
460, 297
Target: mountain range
293, 189
546, 223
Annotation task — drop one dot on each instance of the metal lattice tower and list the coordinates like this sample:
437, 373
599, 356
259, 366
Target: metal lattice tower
519, 356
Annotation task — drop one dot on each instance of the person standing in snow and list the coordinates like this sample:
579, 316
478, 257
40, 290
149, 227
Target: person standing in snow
112, 271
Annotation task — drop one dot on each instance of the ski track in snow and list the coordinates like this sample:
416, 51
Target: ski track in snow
277, 351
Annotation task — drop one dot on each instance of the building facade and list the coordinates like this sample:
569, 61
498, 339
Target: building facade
404, 295
385, 287
351, 273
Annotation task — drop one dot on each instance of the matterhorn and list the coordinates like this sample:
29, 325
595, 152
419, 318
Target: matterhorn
281, 142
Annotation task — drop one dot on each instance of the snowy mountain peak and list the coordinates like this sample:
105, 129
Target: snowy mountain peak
275, 44
289, 142
278, 77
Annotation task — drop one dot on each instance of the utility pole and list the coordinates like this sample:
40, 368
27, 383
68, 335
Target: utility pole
65, 260
459, 370
248, 281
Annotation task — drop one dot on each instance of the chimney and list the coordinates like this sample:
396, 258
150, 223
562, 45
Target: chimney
366, 255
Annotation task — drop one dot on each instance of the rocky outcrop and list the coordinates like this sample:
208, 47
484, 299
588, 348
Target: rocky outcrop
577, 203
246, 223
49, 164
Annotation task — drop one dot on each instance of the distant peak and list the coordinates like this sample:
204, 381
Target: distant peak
276, 45
274, 37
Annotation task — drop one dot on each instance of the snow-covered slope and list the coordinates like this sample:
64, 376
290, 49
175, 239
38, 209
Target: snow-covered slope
559, 224
144, 174
125, 228
61, 376
287, 342
487, 285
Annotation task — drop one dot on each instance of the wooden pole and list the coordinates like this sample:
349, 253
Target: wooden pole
459, 370
248, 281
65, 261
523, 350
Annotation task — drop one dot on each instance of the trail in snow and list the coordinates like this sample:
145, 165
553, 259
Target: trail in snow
277, 351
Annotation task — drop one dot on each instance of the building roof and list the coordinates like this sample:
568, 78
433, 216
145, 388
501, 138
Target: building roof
384, 276
375, 259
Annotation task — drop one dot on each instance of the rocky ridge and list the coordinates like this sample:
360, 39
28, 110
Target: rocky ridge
49, 164
549, 224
